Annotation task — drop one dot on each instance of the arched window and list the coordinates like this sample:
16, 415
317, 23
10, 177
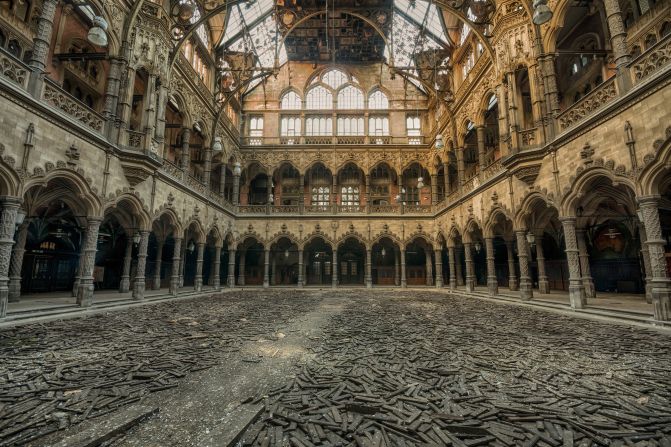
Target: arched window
290, 101
321, 195
665, 30
350, 97
14, 48
334, 78
650, 41
319, 99
318, 126
349, 195
290, 126
378, 100
378, 126
350, 126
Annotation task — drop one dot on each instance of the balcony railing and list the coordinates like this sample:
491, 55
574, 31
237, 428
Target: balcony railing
135, 139
335, 209
62, 100
528, 137
331, 140
653, 60
13, 69
589, 104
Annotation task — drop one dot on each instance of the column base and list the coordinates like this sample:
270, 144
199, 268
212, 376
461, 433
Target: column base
216, 283
576, 295
3, 301
404, 284
492, 287
526, 290
334, 284
543, 286
369, 285
648, 292
156, 284
266, 284
231, 282
588, 285
14, 290
198, 284
173, 288
439, 283
513, 285
124, 285
661, 301
85, 294
470, 285
138, 289
453, 285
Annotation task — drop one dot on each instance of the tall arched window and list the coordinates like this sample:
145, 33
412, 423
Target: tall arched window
378, 100
334, 78
319, 98
290, 101
350, 97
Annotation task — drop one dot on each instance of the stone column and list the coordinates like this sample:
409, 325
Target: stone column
459, 268
585, 270
434, 189
124, 284
198, 280
661, 288
266, 268
156, 284
241, 269
452, 259
185, 156
207, 167
446, 179
236, 187
41, 44
10, 207
87, 263
618, 42
182, 262
334, 270
16, 263
231, 268
216, 266
113, 88
482, 155
397, 268
301, 279
460, 165
404, 281
369, 268
645, 254
512, 274
139, 282
174, 277
439, 267
429, 268
551, 90
543, 283
80, 257
470, 274
576, 288
222, 179
526, 289
492, 281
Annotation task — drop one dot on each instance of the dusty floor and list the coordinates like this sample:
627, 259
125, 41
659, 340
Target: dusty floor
337, 368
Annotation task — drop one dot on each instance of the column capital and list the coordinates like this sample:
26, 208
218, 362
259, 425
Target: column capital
652, 200
11, 201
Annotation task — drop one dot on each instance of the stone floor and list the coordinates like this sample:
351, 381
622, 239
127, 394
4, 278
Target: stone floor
338, 367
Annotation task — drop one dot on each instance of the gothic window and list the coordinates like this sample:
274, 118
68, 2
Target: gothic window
650, 41
351, 126
290, 101
14, 48
350, 97
318, 126
290, 126
334, 78
413, 128
256, 130
378, 100
321, 195
349, 195
319, 99
665, 30
378, 126
380, 173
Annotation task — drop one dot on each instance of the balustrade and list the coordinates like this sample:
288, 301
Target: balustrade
13, 69
62, 100
589, 104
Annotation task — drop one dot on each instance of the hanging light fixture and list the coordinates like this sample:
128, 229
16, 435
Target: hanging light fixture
191, 247
98, 33
184, 10
383, 252
286, 253
531, 238
20, 216
439, 141
237, 169
420, 182
542, 13
478, 247
136, 238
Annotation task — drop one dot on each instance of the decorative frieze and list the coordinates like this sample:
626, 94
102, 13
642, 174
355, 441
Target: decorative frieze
64, 102
598, 98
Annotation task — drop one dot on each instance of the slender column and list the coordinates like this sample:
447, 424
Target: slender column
543, 283
75, 286
576, 288
16, 263
266, 268
512, 274
459, 268
222, 179
618, 42
186, 151
369, 268
149, 116
550, 73
585, 271
470, 274
139, 282
301, 278
439, 267
182, 263
434, 189
661, 288
41, 44
482, 155
156, 284
429, 268
112, 93
174, 277
526, 290
404, 281
236, 184
446, 179
198, 280
231, 268
216, 266
159, 131
86, 286
207, 167
397, 267
452, 259
334, 270
492, 282
645, 254
10, 207
124, 284
241, 269
334, 190
460, 165
513, 118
